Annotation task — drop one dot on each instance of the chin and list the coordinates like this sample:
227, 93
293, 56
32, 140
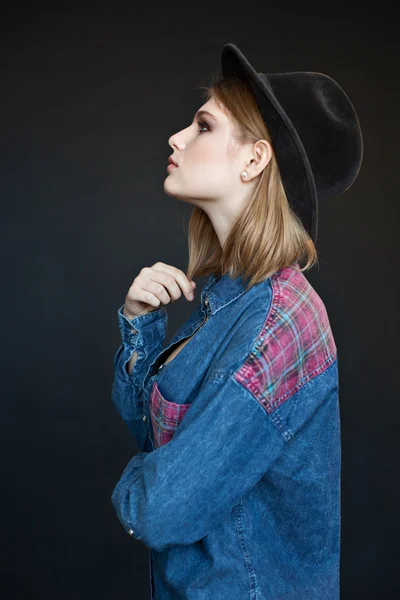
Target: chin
174, 193
169, 189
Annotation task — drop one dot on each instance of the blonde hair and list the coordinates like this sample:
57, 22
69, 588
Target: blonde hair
266, 235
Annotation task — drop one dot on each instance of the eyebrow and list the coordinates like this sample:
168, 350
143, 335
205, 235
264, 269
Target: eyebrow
205, 112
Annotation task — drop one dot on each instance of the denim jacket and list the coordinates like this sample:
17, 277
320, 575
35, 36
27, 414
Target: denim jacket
236, 488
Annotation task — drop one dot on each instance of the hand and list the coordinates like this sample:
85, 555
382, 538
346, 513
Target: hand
155, 286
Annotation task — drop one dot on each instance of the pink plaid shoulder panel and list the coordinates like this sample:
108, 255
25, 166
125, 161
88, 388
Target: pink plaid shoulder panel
294, 345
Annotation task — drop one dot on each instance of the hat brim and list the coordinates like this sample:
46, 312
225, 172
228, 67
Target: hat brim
293, 163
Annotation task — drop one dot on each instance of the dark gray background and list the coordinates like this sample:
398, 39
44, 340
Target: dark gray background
90, 95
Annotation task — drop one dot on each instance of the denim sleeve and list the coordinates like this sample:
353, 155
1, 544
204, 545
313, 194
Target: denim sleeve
144, 334
180, 491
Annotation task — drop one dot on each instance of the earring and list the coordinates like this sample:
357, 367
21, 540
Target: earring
244, 173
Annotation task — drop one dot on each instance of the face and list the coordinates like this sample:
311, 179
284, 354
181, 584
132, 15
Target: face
208, 157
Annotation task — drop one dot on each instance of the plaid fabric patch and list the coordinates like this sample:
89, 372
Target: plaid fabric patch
295, 344
165, 416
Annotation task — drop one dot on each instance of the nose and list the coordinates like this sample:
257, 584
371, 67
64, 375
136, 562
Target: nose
176, 140
173, 141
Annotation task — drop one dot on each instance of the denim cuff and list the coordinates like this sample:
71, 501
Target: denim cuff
132, 472
142, 329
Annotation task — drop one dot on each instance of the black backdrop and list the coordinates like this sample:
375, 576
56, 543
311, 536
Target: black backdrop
90, 95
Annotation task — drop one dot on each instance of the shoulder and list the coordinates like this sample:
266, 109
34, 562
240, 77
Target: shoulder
294, 344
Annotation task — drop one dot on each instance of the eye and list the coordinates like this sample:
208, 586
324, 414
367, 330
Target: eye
202, 124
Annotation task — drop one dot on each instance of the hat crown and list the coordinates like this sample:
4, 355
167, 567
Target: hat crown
326, 123
314, 128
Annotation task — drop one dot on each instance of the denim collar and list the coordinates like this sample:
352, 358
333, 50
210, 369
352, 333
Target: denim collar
220, 290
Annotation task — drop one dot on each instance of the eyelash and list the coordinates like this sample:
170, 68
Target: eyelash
202, 124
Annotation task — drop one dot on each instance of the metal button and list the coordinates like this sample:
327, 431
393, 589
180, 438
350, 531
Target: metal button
144, 417
133, 330
130, 532
206, 301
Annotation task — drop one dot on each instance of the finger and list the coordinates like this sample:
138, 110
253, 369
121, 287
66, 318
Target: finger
178, 279
146, 295
159, 284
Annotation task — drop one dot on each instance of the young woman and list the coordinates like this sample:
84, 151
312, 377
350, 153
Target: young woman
236, 488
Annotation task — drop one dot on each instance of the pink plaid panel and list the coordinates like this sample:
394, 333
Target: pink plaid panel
165, 416
295, 344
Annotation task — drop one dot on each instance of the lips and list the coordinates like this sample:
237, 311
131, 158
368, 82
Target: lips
172, 162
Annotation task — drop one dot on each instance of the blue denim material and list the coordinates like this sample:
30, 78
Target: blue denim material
236, 487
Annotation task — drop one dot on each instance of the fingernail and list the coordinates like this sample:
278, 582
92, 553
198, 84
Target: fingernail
191, 296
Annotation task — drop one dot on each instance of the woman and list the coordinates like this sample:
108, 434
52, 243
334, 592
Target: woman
236, 489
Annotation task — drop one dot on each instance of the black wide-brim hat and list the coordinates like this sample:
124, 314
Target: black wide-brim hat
314, 128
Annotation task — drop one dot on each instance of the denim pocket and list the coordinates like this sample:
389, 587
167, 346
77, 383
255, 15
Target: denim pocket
165, 416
